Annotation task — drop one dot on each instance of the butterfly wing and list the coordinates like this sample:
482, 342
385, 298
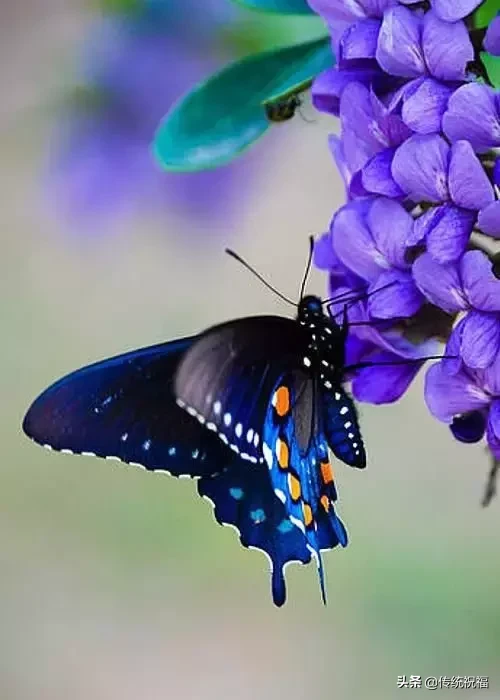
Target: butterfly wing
242, 496
123, 408
340, 420
226, 377
296, 452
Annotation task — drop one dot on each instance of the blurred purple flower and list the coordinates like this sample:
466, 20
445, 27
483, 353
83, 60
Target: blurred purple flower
474, 114
429, 170
464, 394
101, 165
468, 285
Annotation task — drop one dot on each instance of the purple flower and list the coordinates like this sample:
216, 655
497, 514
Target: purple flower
491, 41
350, 10
329, 85
428, 170
474, 114
453, 10
369, 238
411, 45
468, 285
391, 356
370, 133
464, 394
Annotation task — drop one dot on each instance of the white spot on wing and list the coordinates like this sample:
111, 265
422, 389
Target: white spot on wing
280, 494
268, 455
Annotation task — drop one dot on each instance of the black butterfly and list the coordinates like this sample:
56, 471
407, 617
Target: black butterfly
249, 407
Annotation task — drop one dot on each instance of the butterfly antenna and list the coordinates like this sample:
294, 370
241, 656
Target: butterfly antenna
308, 268
259, 276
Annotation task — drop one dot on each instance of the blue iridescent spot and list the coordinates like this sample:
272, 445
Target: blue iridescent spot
237, 494
258, 516
171, 451
285, 526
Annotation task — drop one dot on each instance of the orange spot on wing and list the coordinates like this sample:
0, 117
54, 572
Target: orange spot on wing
326, 472
282, 453
325, 502
294, 487
281, 401
308, 516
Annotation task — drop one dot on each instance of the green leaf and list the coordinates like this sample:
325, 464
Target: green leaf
485, 13
492, 65
223, 116
282, 7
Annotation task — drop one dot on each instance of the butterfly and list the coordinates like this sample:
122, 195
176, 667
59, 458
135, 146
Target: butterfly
250, 408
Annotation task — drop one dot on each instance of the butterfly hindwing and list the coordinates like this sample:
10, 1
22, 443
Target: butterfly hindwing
341, 427
224, 379
124, 408
243, 496
296, 453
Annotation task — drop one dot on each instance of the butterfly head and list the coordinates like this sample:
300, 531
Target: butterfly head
310, 309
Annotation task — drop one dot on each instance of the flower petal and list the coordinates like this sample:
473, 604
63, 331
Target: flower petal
354, 244
448, 395
448, 239
333, 10
423, 109
359, 41
399, 51
447, 47
377, 175
469, 185
390, 225
329, 85
356, 114
383, 383
420, 167
441, 284
472, 115
489, 220
493, 429
480, 284
324, 257
491, 41
397, 295
453, 10
480, 339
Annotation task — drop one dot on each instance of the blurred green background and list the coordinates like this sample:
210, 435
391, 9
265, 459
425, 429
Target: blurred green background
116, 584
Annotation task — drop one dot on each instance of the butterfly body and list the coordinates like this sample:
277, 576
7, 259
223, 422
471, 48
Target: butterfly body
248, 407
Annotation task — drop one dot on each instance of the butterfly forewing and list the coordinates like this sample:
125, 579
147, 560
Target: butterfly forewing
124, 408
226, 377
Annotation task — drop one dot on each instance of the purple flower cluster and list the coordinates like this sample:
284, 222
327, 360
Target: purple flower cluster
417, 152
